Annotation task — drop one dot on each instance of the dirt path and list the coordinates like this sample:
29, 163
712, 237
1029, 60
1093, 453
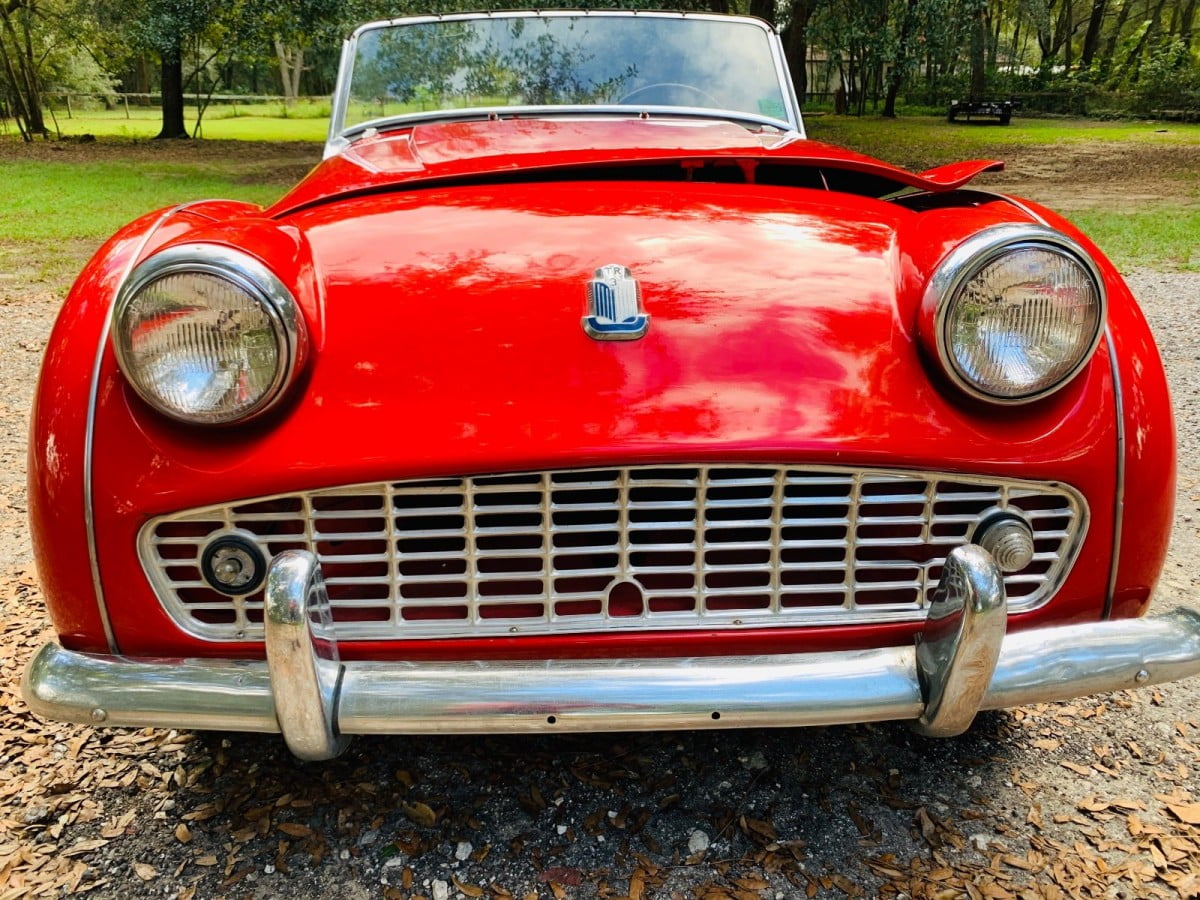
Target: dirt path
1096, 798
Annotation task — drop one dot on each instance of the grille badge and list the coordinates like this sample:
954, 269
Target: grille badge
615, 306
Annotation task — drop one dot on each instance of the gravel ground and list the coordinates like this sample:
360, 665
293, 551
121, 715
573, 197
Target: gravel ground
1095, 798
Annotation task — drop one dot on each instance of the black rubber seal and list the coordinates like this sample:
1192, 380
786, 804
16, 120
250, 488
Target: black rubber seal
234, 541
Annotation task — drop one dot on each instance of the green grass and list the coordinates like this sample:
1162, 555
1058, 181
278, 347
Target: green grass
244, 122
56, 213
1165, 237
927, 141
70, 201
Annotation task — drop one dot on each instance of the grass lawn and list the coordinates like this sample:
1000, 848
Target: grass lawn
60, 206
930, 138
1164, 237
1133, 187
306, 121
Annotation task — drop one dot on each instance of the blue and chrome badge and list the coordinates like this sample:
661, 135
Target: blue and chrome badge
615, 306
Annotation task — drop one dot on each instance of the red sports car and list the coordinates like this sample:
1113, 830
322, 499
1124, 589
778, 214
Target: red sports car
577, 390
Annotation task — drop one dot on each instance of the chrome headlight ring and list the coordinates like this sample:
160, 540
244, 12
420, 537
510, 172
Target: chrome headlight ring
225, 268
967, 262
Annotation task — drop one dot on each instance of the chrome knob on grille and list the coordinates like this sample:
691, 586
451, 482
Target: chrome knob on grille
1008, 538
233, 564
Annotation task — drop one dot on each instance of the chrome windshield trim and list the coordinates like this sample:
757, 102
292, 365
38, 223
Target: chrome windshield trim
339, 135
590, 110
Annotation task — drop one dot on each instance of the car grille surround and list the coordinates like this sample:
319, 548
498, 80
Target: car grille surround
616, 549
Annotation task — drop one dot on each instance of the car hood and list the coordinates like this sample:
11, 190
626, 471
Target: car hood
779, 321
549, 149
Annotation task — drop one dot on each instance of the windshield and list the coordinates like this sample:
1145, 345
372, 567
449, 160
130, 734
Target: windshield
407, 68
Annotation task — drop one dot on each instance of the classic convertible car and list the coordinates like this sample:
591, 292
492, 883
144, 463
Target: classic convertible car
577, 390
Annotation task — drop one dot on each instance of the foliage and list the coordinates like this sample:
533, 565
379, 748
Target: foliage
1169, 79
1057, 55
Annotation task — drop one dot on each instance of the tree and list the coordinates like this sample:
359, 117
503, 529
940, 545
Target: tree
166, 27
294, 28
902, 59
795, 42
19, 65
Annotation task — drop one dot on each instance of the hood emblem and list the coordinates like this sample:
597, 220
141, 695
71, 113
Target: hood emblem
615, 306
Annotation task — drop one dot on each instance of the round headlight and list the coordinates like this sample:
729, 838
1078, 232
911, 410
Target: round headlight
206, 334
1016, 313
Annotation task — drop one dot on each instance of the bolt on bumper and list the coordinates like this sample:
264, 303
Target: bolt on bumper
962, 662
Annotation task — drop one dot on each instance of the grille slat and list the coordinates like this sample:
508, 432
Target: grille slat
616, 549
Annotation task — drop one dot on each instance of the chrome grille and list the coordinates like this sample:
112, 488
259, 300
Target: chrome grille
618, 549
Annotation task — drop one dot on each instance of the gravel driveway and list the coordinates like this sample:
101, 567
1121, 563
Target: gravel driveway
1094, 798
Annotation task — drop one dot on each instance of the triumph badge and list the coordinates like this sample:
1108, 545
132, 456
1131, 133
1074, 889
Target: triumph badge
615, 306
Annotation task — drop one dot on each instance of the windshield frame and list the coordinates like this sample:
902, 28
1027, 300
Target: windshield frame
341, 136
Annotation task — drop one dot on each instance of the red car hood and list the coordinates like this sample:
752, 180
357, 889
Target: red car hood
536, 147
780, 320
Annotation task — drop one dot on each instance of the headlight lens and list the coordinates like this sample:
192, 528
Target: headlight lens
1016, 319
206, 334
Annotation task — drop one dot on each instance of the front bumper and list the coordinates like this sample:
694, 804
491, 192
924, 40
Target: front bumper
962, 663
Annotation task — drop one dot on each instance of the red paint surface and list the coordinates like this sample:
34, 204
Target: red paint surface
447, 340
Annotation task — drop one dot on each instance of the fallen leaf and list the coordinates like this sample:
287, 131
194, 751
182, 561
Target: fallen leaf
1188, 813
419, 813
470, 890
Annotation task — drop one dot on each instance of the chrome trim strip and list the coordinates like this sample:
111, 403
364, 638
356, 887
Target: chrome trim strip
338, 134
1119, 493
1037, 666
89, 435
596, 111
968, 258
957, 651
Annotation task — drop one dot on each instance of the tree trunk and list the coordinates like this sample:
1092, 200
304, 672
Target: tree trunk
1068, 31
20, 72
14, 95
172, 95
291, 64
795, 45
1186, 21
901, 62
763, 9
1091, 39
979, 36
1133, 62
1110, 46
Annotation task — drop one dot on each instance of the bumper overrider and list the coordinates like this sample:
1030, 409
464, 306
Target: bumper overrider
962, 662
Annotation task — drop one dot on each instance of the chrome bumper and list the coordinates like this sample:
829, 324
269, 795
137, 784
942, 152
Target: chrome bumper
963, 662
